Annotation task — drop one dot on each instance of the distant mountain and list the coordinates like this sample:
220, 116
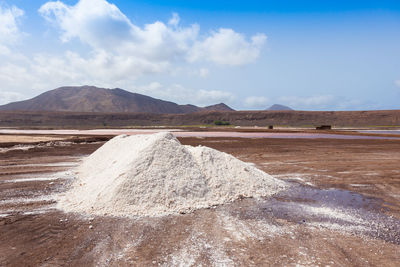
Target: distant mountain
219, 107
94, 99
279, 107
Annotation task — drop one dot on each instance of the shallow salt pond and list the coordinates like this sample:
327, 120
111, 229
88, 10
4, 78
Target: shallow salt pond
181, 133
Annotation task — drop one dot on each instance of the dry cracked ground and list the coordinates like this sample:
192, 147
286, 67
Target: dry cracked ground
342, 209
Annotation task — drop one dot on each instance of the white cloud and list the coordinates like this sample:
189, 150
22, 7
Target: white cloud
397, 83
95, 22
179, 94
9, 31
319, 101
228, 47
174, 21
328, 102
348, 104
7, 97
213, 96
260, 102
103, 26
204, 72
118, 51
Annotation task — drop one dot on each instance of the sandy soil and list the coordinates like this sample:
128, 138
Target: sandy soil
28, 138
369, 167
213, 132
342, 209
261, 118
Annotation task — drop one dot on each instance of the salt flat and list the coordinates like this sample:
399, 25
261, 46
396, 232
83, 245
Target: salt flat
322, 220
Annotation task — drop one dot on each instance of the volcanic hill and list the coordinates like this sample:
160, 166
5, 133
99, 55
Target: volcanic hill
279, 107
94, 99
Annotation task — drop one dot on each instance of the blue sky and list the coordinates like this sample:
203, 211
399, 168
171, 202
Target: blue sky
310, 55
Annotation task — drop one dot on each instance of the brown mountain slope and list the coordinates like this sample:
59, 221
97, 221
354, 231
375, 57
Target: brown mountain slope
279, 107
243, 118
219, 107
94, 99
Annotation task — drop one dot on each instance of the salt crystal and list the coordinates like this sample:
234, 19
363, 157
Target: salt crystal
153, 175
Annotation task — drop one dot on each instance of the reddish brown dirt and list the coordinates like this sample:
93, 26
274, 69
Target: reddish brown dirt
243, 118
244, 233
370, 167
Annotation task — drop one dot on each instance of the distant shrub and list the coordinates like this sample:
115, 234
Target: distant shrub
324, 127
221, 123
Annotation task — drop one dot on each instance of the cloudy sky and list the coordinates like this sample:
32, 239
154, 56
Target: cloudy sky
310, 55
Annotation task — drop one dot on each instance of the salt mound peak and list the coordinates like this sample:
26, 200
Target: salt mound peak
154, 175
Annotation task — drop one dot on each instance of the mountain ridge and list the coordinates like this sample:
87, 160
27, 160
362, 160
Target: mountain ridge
94, 99
279, 107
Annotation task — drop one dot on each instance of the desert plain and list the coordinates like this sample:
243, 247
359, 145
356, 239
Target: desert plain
342, 208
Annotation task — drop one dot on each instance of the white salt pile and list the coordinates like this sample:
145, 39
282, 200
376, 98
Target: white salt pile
154, 175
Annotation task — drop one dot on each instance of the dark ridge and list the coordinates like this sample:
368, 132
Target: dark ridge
93, 99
